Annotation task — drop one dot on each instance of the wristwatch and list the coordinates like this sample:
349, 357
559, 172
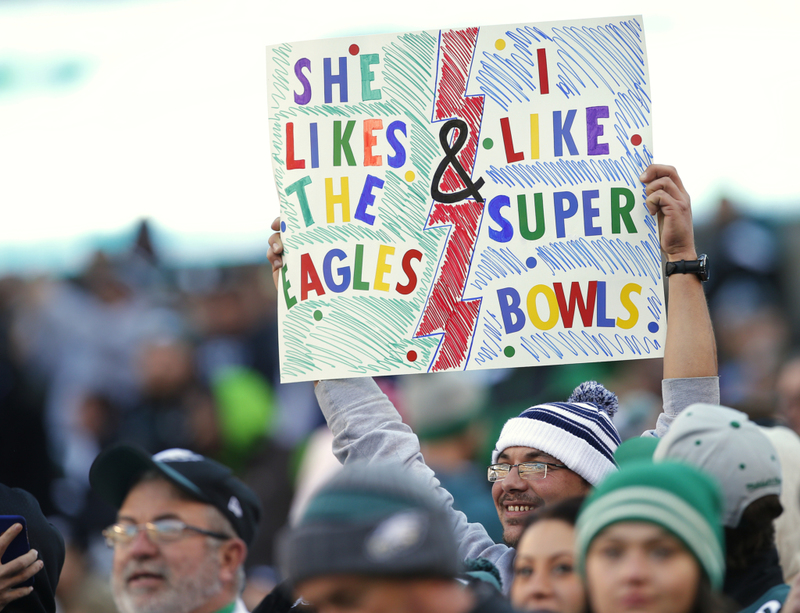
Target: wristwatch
697, 267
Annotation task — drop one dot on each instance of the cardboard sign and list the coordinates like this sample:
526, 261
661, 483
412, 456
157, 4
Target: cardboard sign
465, 199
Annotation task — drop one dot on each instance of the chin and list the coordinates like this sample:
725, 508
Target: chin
511, 537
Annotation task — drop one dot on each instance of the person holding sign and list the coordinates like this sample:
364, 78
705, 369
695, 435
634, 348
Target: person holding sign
538, 461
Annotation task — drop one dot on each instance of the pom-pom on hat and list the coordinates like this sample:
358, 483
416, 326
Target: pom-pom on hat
578, 433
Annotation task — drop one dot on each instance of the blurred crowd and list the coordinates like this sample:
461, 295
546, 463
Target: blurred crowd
133, 351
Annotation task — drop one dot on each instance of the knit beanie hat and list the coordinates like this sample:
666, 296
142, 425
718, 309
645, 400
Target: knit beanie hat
578, 433
675, 496
636, 449
724, 443
373, 519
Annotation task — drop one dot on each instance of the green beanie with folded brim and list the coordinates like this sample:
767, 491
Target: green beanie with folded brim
635, 450
677, 497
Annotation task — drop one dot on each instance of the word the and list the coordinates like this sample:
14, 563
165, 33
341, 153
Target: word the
561, 309
342, 198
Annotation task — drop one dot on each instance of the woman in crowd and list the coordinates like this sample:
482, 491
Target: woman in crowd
649, 539
545, 577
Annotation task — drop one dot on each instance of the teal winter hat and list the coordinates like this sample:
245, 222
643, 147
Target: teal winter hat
635, 450
376, 519
674, 496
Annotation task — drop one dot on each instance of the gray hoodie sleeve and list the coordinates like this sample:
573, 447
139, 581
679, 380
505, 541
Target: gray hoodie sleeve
679, 394
366, 426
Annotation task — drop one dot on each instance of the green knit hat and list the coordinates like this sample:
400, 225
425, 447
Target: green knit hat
675, 496
377, 519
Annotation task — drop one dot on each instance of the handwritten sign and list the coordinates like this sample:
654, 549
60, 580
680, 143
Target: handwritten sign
465, 199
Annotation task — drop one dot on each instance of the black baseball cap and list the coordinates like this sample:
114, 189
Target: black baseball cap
117, 469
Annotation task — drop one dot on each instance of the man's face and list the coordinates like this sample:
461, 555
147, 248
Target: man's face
788, 387
182, 576
515, 499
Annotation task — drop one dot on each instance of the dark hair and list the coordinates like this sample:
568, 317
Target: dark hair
709, 601
565, 510
755, 533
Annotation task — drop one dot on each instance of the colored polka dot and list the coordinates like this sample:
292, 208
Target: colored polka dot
509, 351
653, 327
318, 315
354, 49
735, 424
531, 262
499, 44
636, 140
689, 414
411, 356
698, 442
410, 176
488, 143
742, 466
283, 226
773, 458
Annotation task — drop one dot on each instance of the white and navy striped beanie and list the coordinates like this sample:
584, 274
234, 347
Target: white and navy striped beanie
578, 433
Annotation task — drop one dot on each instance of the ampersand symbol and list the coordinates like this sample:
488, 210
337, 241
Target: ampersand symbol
450, 159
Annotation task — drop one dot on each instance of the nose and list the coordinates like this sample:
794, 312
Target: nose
538, 589
142, 546
634, 567
513, 482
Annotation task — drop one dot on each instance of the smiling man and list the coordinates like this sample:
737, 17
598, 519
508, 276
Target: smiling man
554, 451
183, 527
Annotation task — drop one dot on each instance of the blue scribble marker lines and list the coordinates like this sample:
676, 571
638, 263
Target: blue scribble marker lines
490, 346
547, 345
608, 256
496, 264
654, 305
609, 57
572, 172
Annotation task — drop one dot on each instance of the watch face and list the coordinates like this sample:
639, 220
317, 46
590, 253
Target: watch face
703, 273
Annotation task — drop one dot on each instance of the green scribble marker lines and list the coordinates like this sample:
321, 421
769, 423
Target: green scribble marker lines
339, 340
280, 94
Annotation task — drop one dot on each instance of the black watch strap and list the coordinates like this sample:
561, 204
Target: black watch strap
697, 267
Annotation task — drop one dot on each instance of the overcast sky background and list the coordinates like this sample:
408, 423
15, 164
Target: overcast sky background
118, 110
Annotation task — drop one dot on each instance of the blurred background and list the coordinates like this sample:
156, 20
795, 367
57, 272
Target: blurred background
136, 192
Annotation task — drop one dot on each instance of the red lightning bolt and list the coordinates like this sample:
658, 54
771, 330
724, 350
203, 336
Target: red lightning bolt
445, 312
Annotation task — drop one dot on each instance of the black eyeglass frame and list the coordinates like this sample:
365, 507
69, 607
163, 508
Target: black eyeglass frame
114, 533
528, 465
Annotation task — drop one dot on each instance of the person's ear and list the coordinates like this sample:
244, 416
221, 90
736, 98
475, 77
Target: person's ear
232, 555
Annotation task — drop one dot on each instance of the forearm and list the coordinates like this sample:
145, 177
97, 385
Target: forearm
691, 350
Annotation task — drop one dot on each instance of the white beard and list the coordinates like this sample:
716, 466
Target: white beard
177, 595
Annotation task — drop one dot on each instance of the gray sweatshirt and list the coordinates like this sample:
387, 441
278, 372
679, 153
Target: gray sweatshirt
366, 426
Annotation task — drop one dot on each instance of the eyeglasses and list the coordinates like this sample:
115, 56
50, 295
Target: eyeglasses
159, 531
530, 471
